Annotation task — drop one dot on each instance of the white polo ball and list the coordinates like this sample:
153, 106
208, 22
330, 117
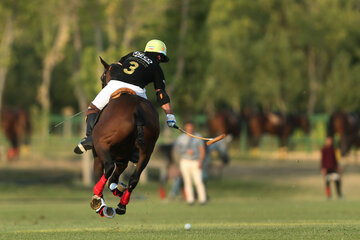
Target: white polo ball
187, 226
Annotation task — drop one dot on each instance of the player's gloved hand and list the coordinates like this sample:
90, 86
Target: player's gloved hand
170, 120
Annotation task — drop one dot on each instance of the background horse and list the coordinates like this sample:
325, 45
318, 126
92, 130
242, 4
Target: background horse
347, 126
127, 130
228, 122
16, 126
281, 126
225, 121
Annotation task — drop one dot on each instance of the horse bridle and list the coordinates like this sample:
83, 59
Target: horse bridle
103, 76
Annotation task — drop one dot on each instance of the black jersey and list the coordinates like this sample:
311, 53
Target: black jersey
140, 69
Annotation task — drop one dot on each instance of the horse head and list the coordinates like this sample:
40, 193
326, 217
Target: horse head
105, 77
109, 72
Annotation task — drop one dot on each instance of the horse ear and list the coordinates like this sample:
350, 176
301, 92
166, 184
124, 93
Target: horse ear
106, 66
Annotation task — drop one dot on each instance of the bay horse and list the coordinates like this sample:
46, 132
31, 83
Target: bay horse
16, 126
127, 130
279, 125
228, 122
225, 121
347, 126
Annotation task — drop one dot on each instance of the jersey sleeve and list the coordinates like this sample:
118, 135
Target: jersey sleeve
159, 79
122, 60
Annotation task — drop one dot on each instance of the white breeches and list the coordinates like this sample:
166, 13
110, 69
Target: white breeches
103, 97
191, 173
332, 176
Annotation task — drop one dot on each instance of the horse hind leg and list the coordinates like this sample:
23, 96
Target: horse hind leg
98, 171
109, 169
97, 202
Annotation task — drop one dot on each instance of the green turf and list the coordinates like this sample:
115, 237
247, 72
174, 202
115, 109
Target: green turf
251, 208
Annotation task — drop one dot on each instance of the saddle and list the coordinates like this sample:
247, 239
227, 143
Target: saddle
122, 91
115, 95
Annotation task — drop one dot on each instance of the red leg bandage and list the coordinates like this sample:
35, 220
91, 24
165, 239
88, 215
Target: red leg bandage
328, 191
101, 213
99, 187
162, 192
125, 198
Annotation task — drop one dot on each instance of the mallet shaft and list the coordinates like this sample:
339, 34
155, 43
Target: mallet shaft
209, 140
218, 138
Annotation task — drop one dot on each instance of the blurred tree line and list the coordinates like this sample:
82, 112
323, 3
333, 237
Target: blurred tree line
298, 56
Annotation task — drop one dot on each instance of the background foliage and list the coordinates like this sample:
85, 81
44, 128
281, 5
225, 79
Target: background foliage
292, 56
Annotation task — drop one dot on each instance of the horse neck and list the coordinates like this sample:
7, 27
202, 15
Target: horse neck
298, 123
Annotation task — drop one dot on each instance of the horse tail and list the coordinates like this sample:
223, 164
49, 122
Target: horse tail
140, 122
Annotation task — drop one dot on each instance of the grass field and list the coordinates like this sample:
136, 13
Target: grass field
258, 200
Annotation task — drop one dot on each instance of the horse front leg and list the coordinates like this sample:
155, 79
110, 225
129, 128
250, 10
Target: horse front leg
134, 179
118, 188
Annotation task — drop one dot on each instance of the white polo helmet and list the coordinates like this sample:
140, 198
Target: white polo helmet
158, 47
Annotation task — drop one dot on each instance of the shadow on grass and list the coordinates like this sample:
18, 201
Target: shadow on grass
30, 186
35, 177
251, 188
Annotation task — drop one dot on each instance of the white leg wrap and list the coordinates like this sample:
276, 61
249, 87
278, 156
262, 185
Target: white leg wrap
121, 186
112, 186
103, 204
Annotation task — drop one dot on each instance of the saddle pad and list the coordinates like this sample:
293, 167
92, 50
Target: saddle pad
121, 91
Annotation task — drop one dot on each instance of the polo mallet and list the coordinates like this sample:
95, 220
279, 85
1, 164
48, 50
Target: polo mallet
60, 123
209, 141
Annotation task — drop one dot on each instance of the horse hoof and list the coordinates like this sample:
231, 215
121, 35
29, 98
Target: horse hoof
109, 212
96, 202
121, 209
